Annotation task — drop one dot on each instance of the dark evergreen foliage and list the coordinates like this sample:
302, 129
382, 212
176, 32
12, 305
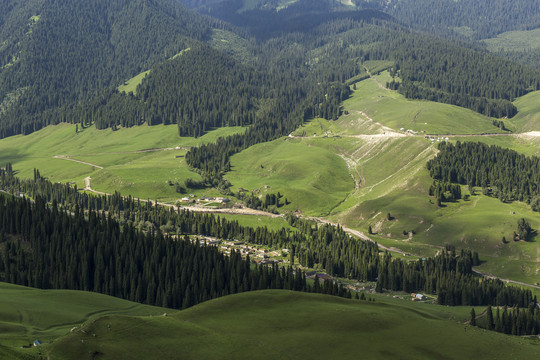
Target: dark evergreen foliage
485, 18
503, 173
443, 71
198, 90
515, 320
448, 275
76, 49
46, 247
444, 191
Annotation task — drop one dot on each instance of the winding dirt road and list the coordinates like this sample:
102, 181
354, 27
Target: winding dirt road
202, 209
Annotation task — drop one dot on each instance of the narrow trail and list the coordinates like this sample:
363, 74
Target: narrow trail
88, 188
128, 152
386, 135
375, 79
477, 317
67, 157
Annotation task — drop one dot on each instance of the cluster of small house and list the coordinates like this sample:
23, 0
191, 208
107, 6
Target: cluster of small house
321, 276
208, 199
437, 138
256, 254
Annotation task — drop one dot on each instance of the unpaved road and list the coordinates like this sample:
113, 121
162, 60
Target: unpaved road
489, 276
67, 157
240, 211
357, 234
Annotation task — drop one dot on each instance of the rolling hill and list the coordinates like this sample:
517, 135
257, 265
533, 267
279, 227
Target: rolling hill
282, 324
28, 314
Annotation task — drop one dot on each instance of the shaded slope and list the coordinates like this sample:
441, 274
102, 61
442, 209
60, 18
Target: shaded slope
54, 54
27, 314
288, 325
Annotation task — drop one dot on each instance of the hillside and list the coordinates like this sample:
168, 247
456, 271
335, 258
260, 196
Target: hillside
327, 168
478, 19
55, 54
282, 324
388, 172
197, 160
466, 17
28, 314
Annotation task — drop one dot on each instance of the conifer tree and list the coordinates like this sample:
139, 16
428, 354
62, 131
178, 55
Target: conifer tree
473, 317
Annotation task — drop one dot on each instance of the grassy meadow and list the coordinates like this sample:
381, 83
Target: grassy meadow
28, 314
392, 109
130, 86
288, 325
273, 224
313, 179
127, 166
528, 116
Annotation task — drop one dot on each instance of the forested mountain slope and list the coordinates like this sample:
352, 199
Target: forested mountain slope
485, 18
56, 67
481, 18
57, 53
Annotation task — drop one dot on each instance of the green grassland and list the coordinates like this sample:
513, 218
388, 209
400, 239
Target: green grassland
313, 179
528, 116
27, 314
287, 325
145, 176
126, 167
392, 109
514, 41
130, 86
393, 178
522, 143
273, 224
